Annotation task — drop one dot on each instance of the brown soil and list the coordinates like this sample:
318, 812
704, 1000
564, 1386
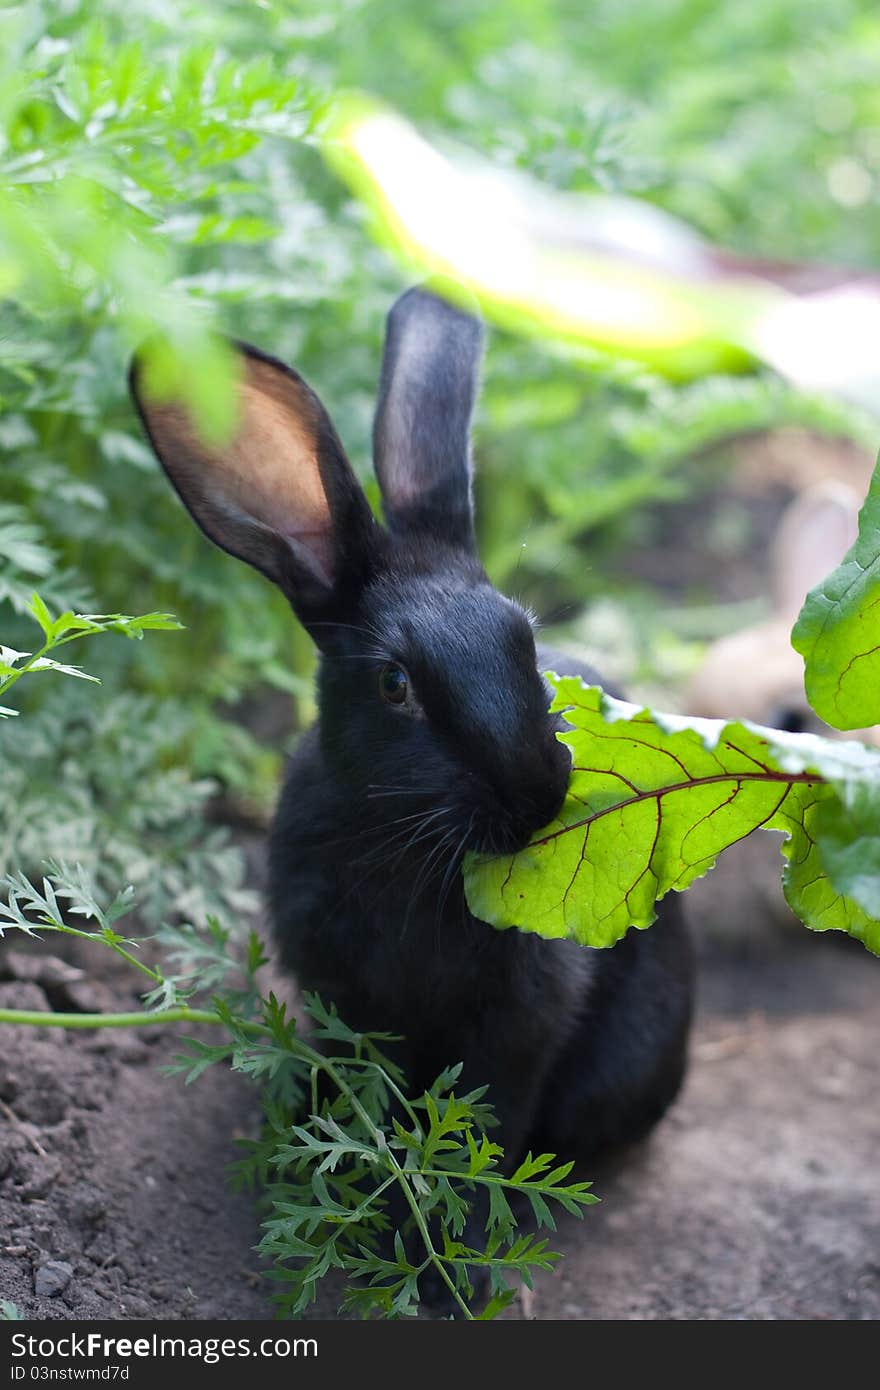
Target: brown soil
115, 1172
757, 1197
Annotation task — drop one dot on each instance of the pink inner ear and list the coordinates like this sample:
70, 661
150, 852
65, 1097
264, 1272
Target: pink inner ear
315, 551
271, 471
265, 484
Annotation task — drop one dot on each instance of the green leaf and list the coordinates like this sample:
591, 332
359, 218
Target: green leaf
838, 630
46, 663
158, 622
8, 657
497, 1303
198, 1059
41, 613
500, 1214
652, 802
849, 852
482, 1156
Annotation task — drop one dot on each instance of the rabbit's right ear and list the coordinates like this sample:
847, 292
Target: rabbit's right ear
421, 436
280, 494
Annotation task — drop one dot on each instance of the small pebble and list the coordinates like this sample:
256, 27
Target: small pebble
42, 1099
90, 996
23, 996
86, 1204
120, 1043
39, 969
37, 1173
135, 1307
9, 1084
102, 1248
12, 1144
52, 1278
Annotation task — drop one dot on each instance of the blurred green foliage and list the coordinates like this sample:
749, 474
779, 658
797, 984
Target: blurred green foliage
160, 171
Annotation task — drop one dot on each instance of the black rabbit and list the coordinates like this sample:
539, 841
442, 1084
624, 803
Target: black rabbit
433, 738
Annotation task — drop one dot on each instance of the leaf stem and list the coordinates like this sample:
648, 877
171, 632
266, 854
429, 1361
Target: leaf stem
392, 1086
8, 681
379, 1139
657, 793
133, 960
138, 1019
53, 924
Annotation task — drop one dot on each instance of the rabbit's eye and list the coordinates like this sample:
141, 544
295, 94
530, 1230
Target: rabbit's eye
393, 684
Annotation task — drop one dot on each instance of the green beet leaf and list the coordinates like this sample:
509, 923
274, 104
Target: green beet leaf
838, 630
652, 802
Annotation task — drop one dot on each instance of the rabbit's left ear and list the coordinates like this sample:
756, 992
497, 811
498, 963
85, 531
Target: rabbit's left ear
280, 494
421, 436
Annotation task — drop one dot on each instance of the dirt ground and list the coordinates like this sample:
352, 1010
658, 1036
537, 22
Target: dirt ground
757, 1198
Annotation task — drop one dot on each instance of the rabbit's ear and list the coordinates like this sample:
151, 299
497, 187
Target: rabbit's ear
280, 493
421, 436
815, 533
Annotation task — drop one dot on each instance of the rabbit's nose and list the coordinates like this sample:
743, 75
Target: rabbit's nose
540, 785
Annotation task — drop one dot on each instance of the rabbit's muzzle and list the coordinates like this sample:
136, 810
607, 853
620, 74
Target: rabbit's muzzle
527, 794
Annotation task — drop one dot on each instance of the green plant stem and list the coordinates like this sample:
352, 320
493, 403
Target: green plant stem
382, 1145
393, 1088
139, 1019
133, 960
8, 681
184, 1014
50, 645
51, 924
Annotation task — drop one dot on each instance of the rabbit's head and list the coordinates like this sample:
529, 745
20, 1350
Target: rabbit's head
429, 689
756, 673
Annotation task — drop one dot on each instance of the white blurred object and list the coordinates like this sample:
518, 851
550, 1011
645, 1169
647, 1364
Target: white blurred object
608, 273
828, 341
756, 673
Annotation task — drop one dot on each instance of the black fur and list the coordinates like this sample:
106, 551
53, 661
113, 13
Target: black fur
421, 435
581, 1049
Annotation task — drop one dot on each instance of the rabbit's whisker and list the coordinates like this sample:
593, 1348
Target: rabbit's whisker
415, 837
352, 627
395, 791
391, 853
431, 865
453, 866
393, 857
350, 837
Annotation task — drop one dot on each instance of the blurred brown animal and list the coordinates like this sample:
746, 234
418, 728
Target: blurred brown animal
756, 674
